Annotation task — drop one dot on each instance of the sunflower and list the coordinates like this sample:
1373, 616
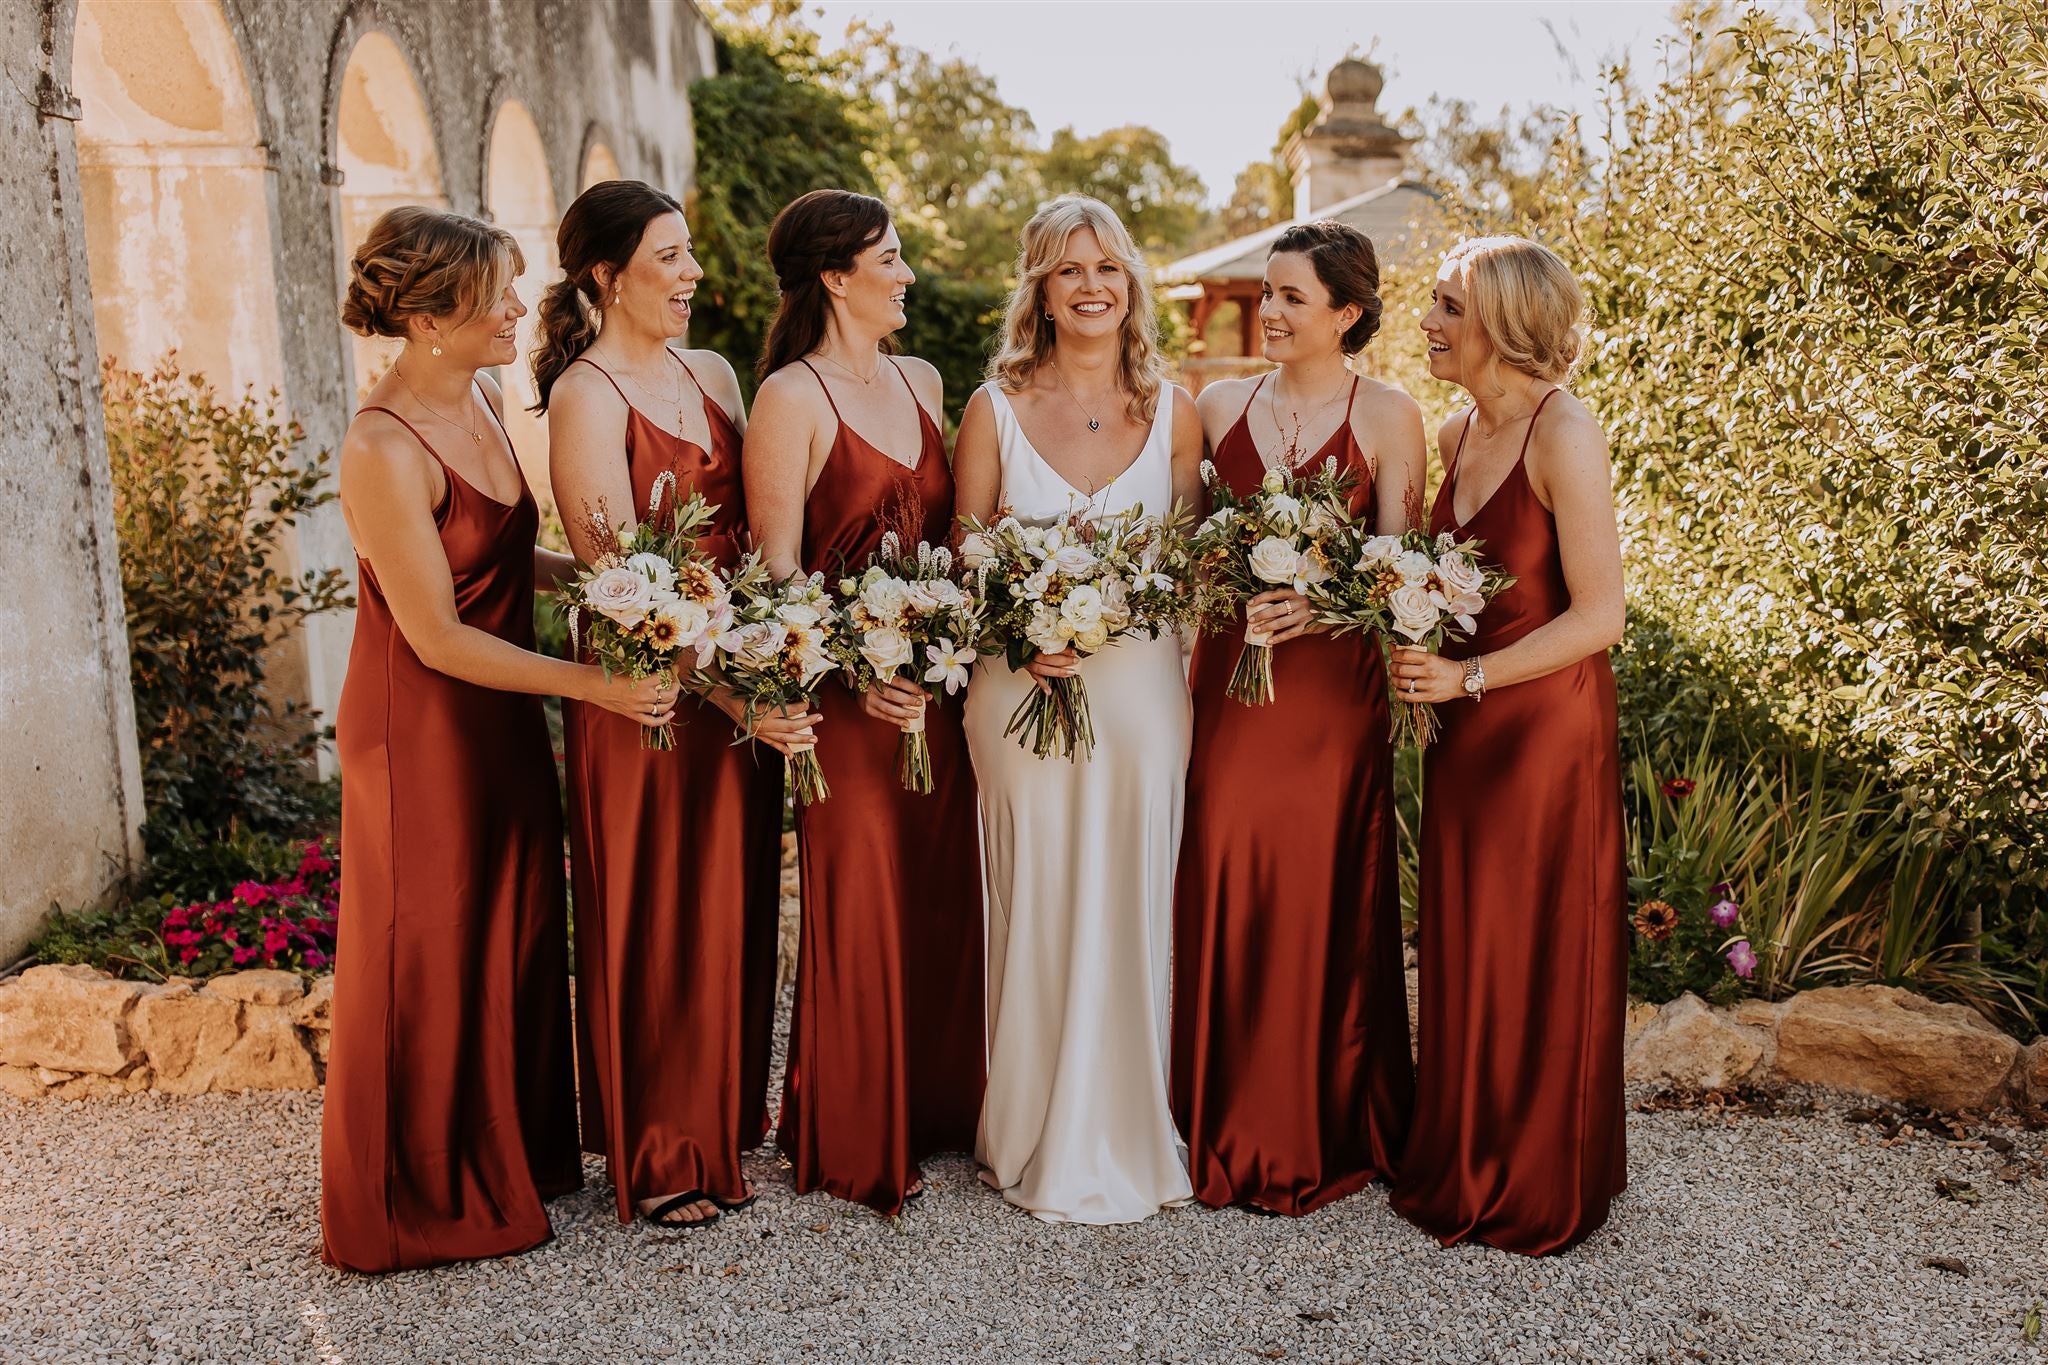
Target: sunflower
664, 632
1655, 920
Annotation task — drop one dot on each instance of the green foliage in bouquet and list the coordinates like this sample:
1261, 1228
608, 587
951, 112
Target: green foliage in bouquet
204, 491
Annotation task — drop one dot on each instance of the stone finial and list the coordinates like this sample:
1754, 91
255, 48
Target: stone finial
1349, 149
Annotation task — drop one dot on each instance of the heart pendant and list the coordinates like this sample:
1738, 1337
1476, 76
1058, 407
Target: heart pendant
1094, 425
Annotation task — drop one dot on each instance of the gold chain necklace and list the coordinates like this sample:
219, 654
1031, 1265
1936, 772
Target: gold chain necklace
475, 434
681, 393
1292, 456
849, 371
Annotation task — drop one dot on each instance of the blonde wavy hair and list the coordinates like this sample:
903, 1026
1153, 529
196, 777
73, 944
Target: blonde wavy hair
419, 262
1026, 341
1525, 299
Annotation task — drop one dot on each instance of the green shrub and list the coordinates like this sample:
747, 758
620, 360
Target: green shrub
203, 493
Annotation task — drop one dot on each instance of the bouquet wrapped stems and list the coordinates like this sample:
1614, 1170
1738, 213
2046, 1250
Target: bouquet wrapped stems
1412, 724
914, 758
806, 777
1053, 722
1251, 682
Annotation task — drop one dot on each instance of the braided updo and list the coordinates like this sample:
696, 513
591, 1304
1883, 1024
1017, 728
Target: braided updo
422, 262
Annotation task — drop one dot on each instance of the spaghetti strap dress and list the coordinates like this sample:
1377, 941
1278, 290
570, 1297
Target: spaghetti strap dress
450, 1110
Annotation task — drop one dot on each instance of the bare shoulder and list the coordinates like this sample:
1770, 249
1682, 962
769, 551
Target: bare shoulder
1453, 429
925, 380
716, 374
1568, 432
792, 393
1221, 396
381, 459
493, 395
1383, 405
1185, 409
980, 410
581, 391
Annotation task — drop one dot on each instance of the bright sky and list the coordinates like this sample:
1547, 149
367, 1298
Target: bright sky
1218, 76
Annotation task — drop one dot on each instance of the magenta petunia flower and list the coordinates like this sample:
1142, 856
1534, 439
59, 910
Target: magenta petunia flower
252, 893
1742, 958
1721, 891
1724, 912
316, 959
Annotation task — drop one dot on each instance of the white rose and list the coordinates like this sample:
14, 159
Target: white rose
622, 594
1273, 560
1414, 566
691, 619
1414, 614
1323, 520
1218, 519
654, 569
1033, 588
1075, 561
976, 549
1091, 639
797, 615
760, 642
1047, 632
1283, 511
1273, 482
1083, 607
1460, 575
813, 659
1116, 593
1378, 550
945, 594
919, 596
886, 650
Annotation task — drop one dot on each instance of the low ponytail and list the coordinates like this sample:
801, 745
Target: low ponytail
568, 324
603, 227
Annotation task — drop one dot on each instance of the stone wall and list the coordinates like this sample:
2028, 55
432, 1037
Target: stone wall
179, 174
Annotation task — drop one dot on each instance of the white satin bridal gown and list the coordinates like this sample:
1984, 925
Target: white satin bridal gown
1078, 863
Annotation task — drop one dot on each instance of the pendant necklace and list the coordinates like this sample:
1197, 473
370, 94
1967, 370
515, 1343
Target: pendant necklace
1094, 424
849, 371
476, 437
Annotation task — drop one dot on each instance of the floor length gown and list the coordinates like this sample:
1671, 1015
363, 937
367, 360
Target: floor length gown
1291, 1074
450, 1113
885, 1062
1080, 860
1518, 1136
675, 866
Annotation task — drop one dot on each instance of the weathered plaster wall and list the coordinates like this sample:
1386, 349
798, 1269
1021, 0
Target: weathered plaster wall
588, 73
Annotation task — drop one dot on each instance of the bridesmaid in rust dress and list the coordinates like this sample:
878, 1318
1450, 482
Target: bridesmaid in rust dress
674, 854
449, 1113
1518, 1138
1291, 1077
885, 1051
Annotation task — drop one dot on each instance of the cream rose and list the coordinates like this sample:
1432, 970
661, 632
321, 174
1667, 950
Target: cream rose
1414, 614
1093, 638
1461, 577
654, 569
1273, 560
1284, 511
622, 594
886, 650
1075, 561
1414, 566
797, 615
1378, 550
884, 597
975, 550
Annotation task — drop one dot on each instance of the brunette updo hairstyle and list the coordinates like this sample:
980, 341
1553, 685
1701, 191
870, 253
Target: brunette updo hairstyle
421, 262
603, 227
823, 230
1347, 266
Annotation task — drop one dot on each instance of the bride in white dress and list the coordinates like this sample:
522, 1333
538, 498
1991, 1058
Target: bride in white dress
1079, 856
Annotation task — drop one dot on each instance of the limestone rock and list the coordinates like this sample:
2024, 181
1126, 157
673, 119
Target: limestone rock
263, 987
90, 1087
1883, 1041
271, 1054
1640, 1013
1694, 1046
68, 1018
184, 1032
22, 1082
315, 1014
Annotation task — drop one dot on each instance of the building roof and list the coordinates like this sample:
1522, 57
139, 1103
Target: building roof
1385, 213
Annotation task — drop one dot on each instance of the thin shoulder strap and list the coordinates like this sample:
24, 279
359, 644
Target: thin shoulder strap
1530, 434
586, 360
492, 409
424, 442
1351, 398
823, 385
913, 393
692, 373
1252, 397
1459, 449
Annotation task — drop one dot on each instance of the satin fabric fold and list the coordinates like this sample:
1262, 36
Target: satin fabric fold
449, 1113
1291, 1075
885, 1061
674, 860
1518, 1139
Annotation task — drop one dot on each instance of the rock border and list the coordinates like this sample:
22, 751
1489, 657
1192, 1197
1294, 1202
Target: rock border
73, 1032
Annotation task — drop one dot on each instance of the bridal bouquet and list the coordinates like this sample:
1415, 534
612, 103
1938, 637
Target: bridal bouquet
906, 611
774, 653
1083, 583
641, 605
1289, 534
1412, 589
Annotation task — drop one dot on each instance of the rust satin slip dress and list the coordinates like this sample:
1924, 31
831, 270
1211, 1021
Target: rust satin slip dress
674, 864
450, 1113
1291, 1078
885, 1040
1518, 1134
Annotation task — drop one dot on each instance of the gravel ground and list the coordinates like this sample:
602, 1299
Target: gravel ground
167, 1229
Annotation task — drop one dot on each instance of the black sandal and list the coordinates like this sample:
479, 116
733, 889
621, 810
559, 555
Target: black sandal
659, 1214
737, 1205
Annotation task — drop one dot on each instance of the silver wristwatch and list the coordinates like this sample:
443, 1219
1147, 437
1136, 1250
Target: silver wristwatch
1475, 678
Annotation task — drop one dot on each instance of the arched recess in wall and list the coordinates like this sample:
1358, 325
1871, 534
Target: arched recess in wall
520, 198
598, 164
384, 149
175, 184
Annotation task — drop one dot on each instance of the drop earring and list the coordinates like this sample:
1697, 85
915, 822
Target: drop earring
437, 350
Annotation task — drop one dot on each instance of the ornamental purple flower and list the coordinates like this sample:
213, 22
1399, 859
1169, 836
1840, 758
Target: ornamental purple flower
1724, 912
1742, 958
1721, 891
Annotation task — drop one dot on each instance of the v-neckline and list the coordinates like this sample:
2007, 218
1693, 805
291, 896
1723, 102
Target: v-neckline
1477, 512
1066, 482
